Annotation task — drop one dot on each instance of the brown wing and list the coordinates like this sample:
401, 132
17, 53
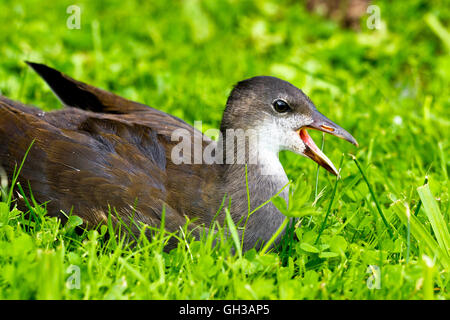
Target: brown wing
103, 151
103, 164
74, 93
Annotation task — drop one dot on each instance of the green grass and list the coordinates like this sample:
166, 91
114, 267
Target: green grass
390, 88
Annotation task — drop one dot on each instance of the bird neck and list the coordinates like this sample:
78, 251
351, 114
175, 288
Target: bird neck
262, 178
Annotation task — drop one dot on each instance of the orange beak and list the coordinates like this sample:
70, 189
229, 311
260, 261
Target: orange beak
322, 123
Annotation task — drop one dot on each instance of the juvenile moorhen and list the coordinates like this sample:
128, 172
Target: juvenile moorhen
102, 153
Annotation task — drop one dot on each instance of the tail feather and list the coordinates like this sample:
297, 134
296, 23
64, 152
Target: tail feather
74, 93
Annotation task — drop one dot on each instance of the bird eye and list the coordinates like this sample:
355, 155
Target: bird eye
281, 106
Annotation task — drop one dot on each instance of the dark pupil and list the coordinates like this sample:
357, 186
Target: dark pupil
281, 106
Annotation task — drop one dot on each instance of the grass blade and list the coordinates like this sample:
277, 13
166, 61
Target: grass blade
416, 212
233, 231
433, 213
16, 174
389, 229
422, 236
322, 227
275, 235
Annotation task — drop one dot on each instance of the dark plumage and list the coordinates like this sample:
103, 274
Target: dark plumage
102, 151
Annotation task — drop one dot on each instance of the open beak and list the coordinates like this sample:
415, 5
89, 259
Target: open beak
322, 123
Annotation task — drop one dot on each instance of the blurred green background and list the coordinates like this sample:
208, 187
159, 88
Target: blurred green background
388, 86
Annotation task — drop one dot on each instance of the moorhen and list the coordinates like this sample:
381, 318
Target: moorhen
104, 154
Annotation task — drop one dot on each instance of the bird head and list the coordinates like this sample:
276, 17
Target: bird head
281, 114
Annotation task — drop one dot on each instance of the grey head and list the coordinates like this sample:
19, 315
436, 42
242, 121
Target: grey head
280, 114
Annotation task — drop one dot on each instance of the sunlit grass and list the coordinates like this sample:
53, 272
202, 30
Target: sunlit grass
389, 88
